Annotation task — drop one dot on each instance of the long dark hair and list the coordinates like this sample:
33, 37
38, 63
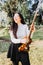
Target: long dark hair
14, 25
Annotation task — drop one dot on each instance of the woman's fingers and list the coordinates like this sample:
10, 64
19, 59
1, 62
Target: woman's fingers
32, 27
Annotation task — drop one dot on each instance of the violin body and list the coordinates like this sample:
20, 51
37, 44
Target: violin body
25, 46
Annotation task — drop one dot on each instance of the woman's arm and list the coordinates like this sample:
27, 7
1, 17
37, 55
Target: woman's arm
28, 33
14, 40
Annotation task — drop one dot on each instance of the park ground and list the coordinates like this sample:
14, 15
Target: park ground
35, 54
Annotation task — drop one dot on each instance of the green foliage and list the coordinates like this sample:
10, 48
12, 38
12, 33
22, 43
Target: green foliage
4, 46
13, 6
23, 6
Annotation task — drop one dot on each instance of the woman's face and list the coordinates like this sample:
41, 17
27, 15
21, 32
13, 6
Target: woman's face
17, 18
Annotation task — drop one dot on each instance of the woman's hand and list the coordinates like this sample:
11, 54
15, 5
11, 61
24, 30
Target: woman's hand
24, 40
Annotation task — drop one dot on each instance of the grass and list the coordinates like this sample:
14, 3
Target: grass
35, 55
38, 35
4, 46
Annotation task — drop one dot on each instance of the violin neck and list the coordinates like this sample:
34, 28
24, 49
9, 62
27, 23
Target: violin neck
33, 23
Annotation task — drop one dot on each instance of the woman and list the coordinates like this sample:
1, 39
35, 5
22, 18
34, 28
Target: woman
19, 35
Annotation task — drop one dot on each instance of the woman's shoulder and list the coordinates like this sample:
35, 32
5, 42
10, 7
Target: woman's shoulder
25, 25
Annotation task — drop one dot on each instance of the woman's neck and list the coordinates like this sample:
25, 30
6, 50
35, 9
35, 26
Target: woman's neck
19, 23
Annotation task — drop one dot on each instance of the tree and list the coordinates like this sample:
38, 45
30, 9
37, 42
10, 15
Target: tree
26, 7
